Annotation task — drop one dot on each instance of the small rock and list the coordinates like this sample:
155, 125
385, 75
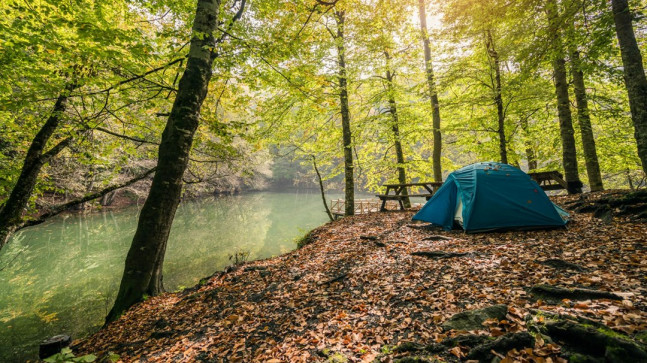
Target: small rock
473, 319
502, 345
53, 345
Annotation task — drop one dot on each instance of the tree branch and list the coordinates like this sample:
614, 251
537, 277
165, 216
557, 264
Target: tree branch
88, 197
45, 157
321, 188
131, 138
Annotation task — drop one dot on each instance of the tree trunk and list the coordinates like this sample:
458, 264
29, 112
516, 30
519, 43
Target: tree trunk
393, 110
530, 152
349, 189
498, 99
588, 140
433, 95
569, 155
321, 189
634, 75
144, 262
11, 211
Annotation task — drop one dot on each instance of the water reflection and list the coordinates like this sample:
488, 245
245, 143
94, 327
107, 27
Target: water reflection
62, 276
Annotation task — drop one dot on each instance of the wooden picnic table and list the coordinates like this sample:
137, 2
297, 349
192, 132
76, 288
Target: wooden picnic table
400, 192
549, 180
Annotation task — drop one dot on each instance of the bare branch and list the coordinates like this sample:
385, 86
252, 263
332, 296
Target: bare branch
65, 206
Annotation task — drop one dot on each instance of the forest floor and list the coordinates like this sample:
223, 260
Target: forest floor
380, 287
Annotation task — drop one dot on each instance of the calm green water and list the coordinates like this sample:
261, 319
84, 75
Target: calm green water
62, 276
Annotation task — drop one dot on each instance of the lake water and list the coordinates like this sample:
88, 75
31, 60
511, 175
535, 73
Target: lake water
62, 277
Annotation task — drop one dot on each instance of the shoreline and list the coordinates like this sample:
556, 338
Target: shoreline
364, 287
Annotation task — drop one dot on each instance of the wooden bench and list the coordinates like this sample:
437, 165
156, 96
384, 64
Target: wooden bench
549, 180
400, 192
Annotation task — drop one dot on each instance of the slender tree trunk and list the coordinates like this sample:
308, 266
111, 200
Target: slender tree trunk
569, 155
143, 270
530, 152
498, 99
433, 95
393, 110
634, 75
12, 210
321, 189
349, 189
588, 140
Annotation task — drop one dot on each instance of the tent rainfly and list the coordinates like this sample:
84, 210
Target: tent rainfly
490, 196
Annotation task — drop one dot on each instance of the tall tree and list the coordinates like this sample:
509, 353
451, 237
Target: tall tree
498, 99
433, 94
37, 156
634, 74
342, 79
584, 118
567, 133
143, 270
51, 54
395, 127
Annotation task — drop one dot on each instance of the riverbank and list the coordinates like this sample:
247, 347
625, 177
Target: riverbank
365, 285
62, 276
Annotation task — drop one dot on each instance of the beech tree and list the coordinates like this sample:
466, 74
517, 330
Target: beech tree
143, 270
583, 113
433, 94
395, 125
569, 155
634, 74
349, 185
76, 101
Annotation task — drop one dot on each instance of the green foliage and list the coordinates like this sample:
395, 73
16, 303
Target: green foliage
66, 356
305, 240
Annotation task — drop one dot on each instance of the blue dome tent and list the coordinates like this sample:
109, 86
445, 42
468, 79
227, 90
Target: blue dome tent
489, 196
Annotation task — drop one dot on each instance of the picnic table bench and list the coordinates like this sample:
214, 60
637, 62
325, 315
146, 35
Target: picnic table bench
549, 180
400, 192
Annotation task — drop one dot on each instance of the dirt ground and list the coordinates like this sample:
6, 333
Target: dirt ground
368, 283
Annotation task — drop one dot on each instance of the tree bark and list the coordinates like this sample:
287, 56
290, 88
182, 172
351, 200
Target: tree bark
349, 190
569, 155
393, 110
321, 189
530, 152
144, 262
634, 75
584, 118
433, 95
498, 99
12, 210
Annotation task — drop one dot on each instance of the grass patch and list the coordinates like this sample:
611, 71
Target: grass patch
304, 240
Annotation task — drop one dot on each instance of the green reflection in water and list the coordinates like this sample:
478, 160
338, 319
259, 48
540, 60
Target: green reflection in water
62, 276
